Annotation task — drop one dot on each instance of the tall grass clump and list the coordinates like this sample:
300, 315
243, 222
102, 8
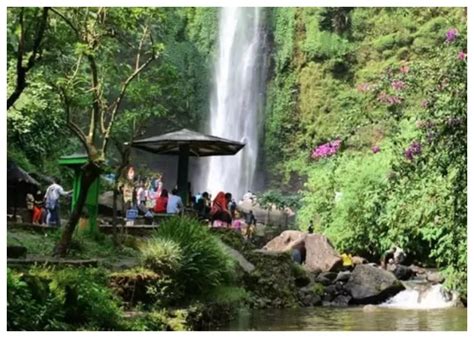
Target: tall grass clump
204, 263
162, 255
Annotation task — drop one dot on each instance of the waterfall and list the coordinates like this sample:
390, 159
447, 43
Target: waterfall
422, 297
237, 99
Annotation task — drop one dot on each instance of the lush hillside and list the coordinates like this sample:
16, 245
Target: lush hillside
366, 118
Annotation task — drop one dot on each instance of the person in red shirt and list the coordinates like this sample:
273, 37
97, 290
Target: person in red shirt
161, 202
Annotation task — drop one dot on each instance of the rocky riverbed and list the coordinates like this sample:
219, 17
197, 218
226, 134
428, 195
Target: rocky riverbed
274, 280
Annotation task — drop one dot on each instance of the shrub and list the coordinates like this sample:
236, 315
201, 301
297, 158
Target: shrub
141, 285
161, 255
160, 320
61, 299
204, 263
30, 306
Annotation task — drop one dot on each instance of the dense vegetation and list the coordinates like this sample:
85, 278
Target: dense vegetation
180, 277
366, 117
365, 120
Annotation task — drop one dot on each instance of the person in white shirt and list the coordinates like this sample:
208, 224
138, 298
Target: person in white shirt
175, 203
51, 198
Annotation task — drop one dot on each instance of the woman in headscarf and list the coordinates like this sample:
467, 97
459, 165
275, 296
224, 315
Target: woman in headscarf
161, 202
219, 211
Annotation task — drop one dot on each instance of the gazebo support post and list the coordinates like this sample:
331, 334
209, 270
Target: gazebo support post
183, 165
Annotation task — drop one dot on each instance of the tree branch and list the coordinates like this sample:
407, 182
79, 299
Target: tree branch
96, 97
67, 21
21, 70
70, 123
38, 39
118, 101
137, 62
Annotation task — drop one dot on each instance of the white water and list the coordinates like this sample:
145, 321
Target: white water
236, 101
432, 297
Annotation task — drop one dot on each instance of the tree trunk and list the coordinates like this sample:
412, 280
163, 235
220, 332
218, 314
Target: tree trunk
114, 203
90, 172
125, 153
114, 213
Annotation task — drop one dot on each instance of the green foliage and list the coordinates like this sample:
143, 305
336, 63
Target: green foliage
36, 243
160, 320
231, 295
144, 287
271, 198
29, 307
342, 83
161, 255
85, 245
61, 299
318, 289
344, 199
204, 263
233, 239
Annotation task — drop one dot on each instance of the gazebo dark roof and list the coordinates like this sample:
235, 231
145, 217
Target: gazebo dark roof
199, 144
16, 175
185, 143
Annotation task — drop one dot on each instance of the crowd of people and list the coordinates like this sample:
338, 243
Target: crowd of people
146, 197
222, 212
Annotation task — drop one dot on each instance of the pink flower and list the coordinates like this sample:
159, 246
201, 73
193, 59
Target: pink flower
462, 56
451, 34
389, 99
375, 149
398, 85
404, 69
326, 150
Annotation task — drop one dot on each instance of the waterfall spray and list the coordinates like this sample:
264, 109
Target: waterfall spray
237, 100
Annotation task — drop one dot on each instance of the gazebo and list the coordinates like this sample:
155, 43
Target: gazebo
19, 183
185, 143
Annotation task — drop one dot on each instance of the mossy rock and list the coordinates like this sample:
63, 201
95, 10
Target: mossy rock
233, 239
272, 283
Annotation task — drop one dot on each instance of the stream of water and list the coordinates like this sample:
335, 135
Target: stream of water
350, 319
421, 307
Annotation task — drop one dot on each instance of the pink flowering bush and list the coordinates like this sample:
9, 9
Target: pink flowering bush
326, 150
451, 35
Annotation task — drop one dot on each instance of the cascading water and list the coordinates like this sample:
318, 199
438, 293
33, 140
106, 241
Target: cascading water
237, 100
422, 297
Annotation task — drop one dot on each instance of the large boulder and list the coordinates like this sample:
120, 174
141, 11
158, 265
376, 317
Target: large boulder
434, 277
402, 272
286, 241
320, 254
371, 285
